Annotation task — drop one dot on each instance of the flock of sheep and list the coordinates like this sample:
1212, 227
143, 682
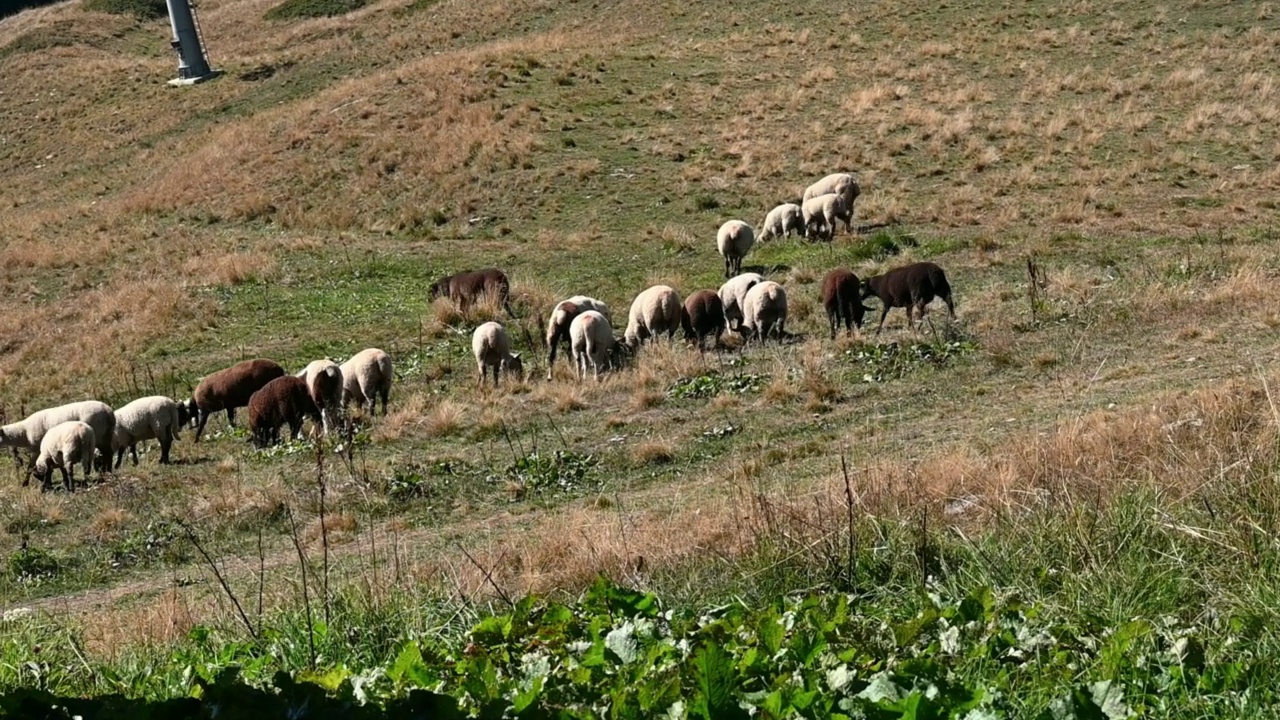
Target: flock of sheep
91, 432
746, 303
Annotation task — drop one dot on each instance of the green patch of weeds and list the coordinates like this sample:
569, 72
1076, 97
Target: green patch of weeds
298, 9
713, 382
141, 9
562, 471
893, 361
881, 245
33, 566
159, 540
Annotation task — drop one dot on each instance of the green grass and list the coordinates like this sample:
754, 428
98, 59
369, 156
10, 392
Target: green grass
299, 9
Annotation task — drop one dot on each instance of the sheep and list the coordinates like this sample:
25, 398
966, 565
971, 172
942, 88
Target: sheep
149, 418
822, 212
28, 433
325, 383
843, 184
841, 296
733, 292
283, 400
703, 316
734, 241
591, 340
782, 221
65, 445
491, 346
655, 310
910, 286
229, 389
366, 377
466, 288
561, 318
764, 311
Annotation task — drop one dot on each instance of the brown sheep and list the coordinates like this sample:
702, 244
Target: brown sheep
842, 299
910, 286
230, 389
703, 316
466, 288
561, 319
283, 400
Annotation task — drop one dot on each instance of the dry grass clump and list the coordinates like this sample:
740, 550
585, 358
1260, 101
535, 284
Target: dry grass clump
408, 414
231, 268
653, 452
107, 524
445, 419
340, 527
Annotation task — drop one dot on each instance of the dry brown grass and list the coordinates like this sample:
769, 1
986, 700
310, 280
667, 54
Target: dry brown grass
653, 452
106, 524
445, 419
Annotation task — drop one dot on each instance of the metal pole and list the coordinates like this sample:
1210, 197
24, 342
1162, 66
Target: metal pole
193, 66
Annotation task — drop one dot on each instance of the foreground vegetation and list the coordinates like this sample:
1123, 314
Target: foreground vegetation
1063, 503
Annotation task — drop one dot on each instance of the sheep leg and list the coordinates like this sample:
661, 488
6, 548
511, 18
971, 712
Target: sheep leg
231, 416
133, 451
68, 480
166, 442
951, 308
496, 370
884, 312
204, 418
727, 265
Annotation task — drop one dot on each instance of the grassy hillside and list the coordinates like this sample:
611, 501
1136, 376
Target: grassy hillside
300, 205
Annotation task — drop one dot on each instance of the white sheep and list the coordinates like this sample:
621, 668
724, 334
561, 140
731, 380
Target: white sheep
734, 241
655, 310
28, 433
365, 378
149, 418
820, 215
782, 221
64, 446
733, 292
324, 384
590, 340
764, 311
562, 316
843, 184
491, 344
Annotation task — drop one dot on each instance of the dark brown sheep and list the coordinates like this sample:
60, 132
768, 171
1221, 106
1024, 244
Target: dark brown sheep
703, 316
841, 296
229, 389
284, 400
469, 287
910, 286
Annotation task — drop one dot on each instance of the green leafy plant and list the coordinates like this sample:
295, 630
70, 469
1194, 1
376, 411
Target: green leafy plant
713, 382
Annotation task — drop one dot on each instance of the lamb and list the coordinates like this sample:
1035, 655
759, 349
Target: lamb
591, 340
229, 389
843, 184
366, 377
655, 310
562, 317
842, 299
283, 400
703, 316
734, 240
910, 286
782, 221
324, 382
820, 215
64, 446
29, 432
466, 288
149, 418
733, 292
764, 311
491, 345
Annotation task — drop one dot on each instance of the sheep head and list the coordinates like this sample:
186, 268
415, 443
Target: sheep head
514, 365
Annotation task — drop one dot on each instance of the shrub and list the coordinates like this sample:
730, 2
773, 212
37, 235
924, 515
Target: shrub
296, 9
141, 9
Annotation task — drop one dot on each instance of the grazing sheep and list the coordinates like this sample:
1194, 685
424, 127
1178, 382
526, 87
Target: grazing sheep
229, 389
149, 418
734, 240
842, 298
843, 184
29, 432
733, 292
466, 288
910, 286
782, 221
591, 340
656, 310
562, 317
764, 311
283, 400
366, 377
324, 382
491, 345
821, 213
703, 316
64, 446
